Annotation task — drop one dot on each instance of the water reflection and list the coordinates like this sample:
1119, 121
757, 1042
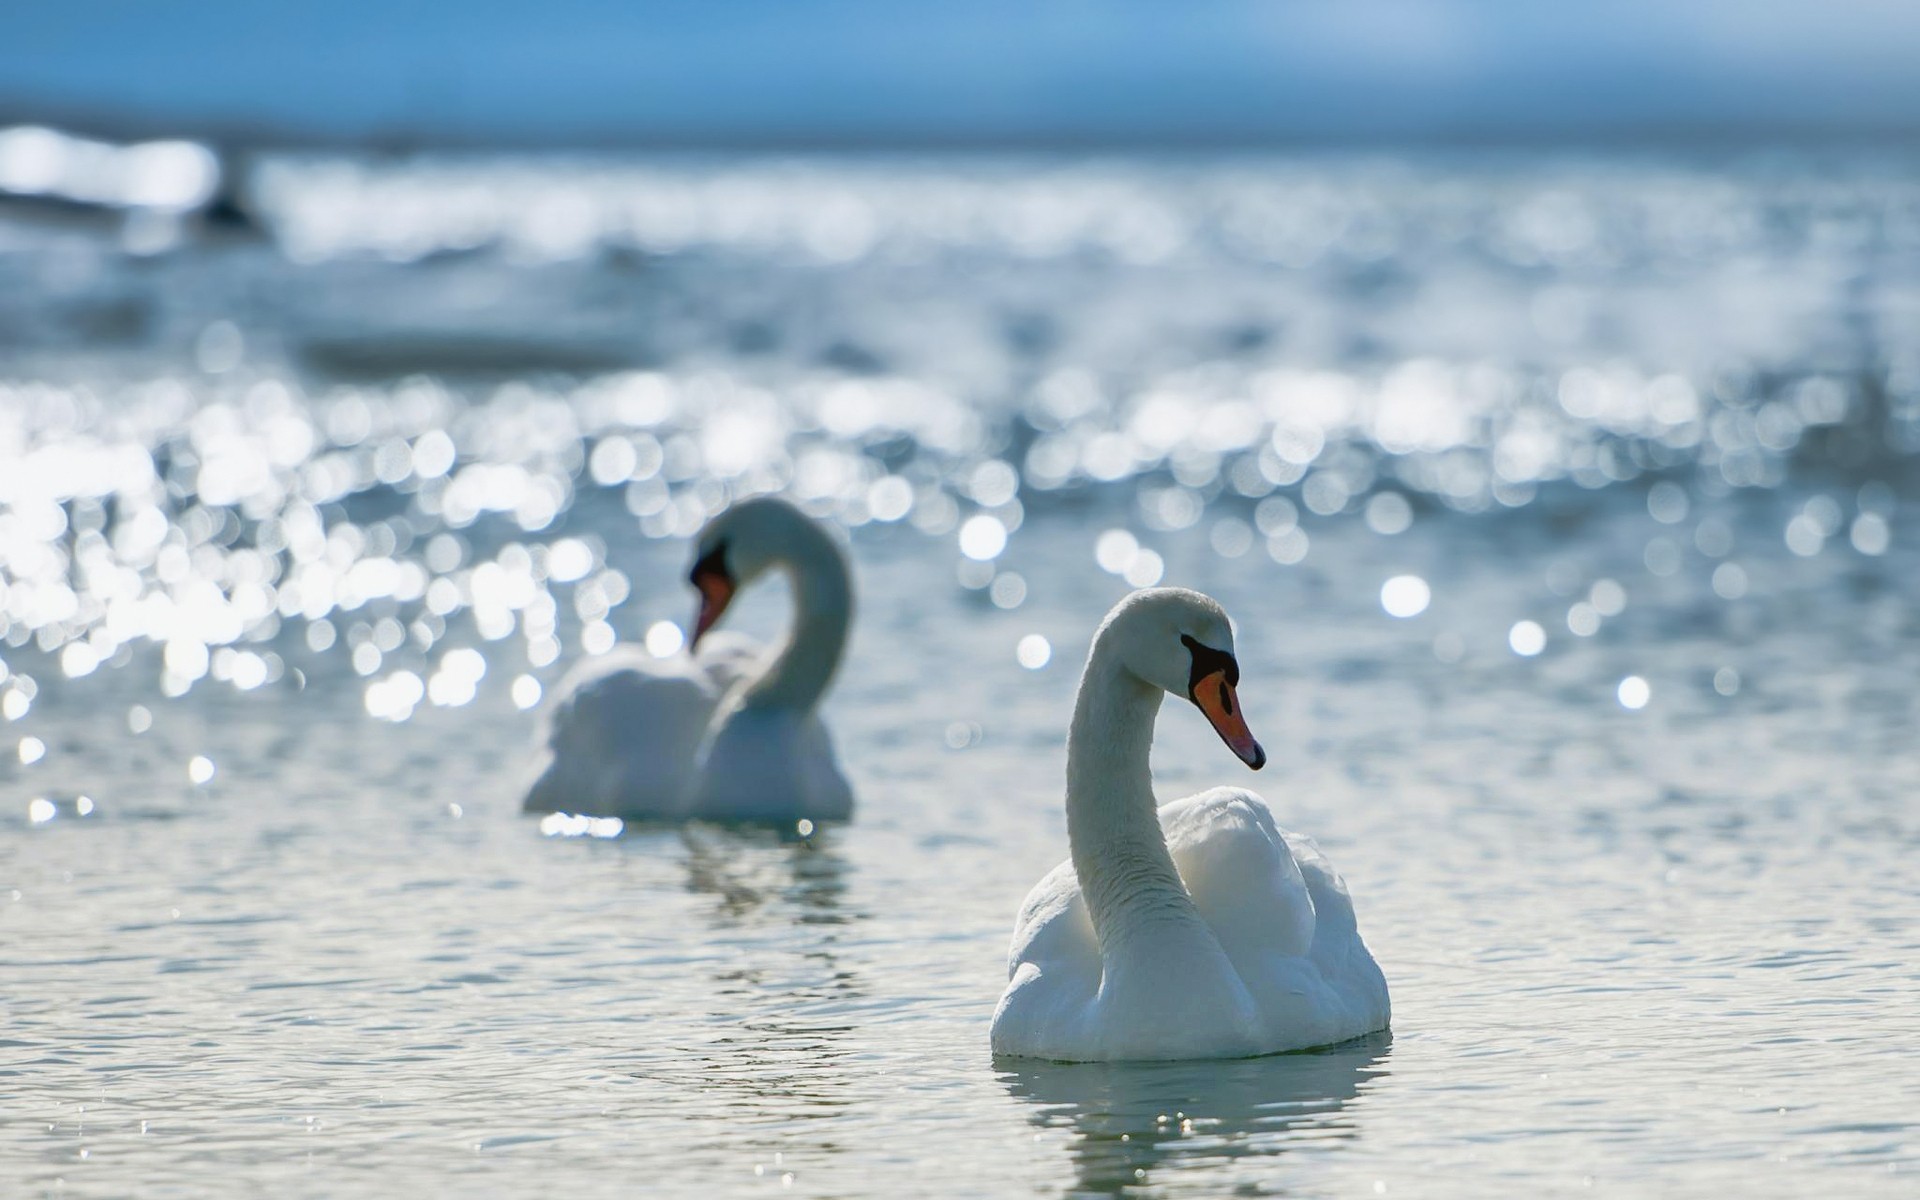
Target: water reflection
744, 867
1131, 1124
780, 1045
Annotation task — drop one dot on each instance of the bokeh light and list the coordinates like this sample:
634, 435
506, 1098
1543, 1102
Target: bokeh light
1405, 596
1034, 652
1527, 638
663, 639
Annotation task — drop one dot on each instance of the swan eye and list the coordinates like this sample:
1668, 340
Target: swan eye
1208, 661
715, 584
712, 564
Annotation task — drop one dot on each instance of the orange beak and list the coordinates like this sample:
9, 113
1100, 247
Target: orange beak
716, 592
1221, 704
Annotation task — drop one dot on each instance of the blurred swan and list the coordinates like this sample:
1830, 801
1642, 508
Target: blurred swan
726, 731
1197, 930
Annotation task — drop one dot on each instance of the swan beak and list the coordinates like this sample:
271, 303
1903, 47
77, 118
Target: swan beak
716, 592
1221, 704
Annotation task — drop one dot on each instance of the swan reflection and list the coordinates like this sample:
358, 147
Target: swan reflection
1131, 1125
778, 1045
745, 866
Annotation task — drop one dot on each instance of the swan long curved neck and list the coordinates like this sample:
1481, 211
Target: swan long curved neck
1119, 852
823, 609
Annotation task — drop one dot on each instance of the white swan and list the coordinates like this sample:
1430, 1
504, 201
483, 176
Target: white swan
1197, 930
725, 732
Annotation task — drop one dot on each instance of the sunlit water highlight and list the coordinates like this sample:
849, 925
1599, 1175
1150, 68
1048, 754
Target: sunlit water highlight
1565, 511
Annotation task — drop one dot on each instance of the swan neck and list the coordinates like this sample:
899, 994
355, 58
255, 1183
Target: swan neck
1119, 852
823, 611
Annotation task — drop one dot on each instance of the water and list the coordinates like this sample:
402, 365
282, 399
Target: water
295, 531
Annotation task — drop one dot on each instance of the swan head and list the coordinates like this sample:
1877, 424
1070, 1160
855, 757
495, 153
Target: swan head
1181, 642
739, 546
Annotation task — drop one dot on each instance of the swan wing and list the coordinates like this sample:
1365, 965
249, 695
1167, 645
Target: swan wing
1283, 916
760, 764
1339, 954
1238, 869
621, 736
1053, 972
1054, 931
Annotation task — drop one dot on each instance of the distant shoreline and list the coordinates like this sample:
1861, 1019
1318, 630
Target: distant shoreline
231, 136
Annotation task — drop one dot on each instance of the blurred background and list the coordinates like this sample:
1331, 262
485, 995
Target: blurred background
855, 72
1538, 386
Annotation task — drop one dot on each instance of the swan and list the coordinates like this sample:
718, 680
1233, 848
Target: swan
726, 731
1200, 929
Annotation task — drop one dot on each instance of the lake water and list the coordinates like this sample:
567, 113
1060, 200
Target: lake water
296, 530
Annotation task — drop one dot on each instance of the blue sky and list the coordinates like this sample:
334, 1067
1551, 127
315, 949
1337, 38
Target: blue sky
991, 70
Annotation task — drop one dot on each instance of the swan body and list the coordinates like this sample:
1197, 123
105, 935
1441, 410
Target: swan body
1198, 929
727, 730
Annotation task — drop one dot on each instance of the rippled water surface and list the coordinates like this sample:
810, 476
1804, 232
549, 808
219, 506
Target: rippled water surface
1566, 511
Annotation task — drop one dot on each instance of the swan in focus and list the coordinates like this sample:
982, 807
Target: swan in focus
1199, 929
726, 731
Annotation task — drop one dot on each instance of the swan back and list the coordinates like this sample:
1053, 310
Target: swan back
620, 739
771, 764
1241, 874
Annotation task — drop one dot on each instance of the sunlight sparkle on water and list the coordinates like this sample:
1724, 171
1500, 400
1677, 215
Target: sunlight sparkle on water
1405, 596
1583, 619
1667, 502
1034, 652
1289, 546
598, 637
1388, 513
1634, 692
1114, 550
1527, 638
1145, 569
568, 560
395, 697
664, 639
983, 537
1870, 534
1729, 581
1008, 590
572, 825
1230, 537
525, 691
1608, 598
458, 679
1804, 536
889, 498
210, 554
993, 483
1662, 556
165, 175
